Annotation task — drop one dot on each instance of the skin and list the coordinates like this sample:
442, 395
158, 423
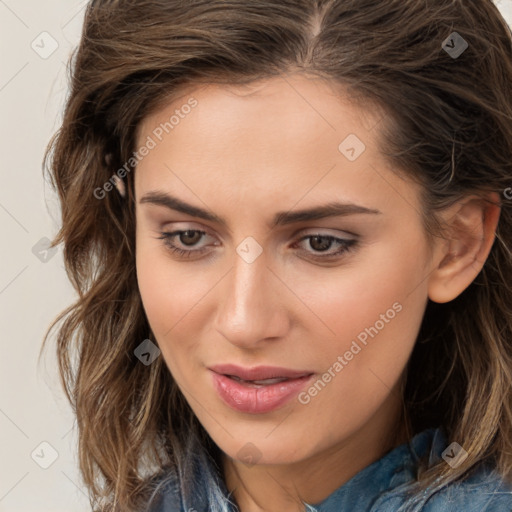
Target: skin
245, 153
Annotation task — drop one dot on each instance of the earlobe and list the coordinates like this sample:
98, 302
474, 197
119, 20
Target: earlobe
119, 184
471, 226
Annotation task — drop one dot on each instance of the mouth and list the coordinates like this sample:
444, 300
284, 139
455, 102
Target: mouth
258, 396
258, 383
259, 373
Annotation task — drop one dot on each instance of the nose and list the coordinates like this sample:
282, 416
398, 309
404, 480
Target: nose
252, 304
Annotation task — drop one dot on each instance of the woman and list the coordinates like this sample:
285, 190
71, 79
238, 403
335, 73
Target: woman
289, 226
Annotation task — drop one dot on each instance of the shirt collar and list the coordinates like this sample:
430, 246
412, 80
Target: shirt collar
395, 469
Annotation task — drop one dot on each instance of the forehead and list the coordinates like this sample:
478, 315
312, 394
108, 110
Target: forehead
285, 139
301, 103
278, 119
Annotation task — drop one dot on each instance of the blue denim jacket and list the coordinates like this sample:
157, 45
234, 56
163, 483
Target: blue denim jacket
380, 487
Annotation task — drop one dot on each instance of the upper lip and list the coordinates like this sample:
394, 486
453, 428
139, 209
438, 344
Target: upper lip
258, 372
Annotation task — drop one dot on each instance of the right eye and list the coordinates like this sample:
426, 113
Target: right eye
186, 238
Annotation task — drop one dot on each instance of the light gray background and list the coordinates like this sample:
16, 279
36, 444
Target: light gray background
33, 284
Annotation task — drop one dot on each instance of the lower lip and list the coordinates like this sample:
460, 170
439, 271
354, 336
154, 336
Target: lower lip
245, 398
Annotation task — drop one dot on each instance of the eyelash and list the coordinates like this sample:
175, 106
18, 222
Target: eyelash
347, 245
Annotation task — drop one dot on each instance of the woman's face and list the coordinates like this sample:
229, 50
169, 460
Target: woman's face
258, 284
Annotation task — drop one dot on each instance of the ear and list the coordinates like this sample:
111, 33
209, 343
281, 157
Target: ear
119, 184
458, 258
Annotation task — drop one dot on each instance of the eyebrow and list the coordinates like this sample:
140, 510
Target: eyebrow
332, 209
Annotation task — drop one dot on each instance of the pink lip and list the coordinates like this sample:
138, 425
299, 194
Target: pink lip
244, 397
258, 372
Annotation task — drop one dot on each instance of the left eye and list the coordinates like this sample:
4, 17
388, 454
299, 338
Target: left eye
319, 242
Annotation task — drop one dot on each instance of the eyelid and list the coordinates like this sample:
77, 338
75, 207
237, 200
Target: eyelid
324, 231
347, 245
337, 233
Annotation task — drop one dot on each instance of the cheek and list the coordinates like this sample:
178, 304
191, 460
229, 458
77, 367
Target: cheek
172, 296
353, 297
164, 303
374, 313
154, 285
162, 289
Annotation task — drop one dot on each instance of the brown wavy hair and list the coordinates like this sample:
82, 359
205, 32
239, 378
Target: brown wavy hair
447, 123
